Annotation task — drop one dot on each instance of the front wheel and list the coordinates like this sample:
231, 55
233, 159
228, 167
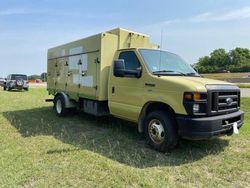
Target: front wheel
59, 106
161, 131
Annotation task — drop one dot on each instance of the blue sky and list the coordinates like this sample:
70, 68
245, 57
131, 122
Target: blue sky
190, 28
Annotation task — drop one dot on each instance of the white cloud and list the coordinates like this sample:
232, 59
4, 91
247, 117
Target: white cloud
237, 14
169, 22
20, 11
10, 12
218, 16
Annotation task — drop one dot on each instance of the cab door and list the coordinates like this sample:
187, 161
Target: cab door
125, 93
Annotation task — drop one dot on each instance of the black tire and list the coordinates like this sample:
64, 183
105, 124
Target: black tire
26, 89
59, 101
4, 88
8, 88
161, 131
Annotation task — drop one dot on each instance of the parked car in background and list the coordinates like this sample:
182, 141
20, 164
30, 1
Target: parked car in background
2, 81
16, 81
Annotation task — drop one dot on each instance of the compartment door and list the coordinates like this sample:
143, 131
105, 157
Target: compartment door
51, 77
88, 75
73, 76
61, 73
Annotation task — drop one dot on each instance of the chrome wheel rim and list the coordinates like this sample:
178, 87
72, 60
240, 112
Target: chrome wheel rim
59, 106
156, 131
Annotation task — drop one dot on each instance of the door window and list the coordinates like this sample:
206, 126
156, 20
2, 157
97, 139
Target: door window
130, 59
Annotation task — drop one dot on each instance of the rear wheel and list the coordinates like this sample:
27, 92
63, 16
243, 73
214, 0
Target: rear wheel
59, 106
161, 131
8, 88
26, 89
4, 88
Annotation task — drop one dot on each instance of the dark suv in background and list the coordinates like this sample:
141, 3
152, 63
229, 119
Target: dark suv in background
16, 81
2, 82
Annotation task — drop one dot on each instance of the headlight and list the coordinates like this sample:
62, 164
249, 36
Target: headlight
195, 103
196, 108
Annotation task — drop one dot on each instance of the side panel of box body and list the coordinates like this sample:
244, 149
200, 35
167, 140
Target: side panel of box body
79, 59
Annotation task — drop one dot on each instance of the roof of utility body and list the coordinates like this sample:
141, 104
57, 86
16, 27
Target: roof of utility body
110, 31
127, 31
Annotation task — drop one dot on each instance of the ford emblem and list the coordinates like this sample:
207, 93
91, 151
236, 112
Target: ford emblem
229, 101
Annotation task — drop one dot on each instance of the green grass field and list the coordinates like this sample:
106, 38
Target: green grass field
225, 76
39, 149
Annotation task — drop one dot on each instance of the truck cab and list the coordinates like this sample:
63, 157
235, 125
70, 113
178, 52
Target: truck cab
123, 75
165, 95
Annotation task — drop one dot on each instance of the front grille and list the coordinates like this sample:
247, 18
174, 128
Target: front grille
224, 100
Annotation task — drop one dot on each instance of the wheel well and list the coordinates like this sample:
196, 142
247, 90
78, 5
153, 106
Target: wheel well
57, 94
68, 102
150, 107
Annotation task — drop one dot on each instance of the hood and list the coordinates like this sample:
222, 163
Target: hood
205, 81
189, 83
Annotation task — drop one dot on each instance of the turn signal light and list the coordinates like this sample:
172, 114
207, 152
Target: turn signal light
196, 96
192, 96
188, 96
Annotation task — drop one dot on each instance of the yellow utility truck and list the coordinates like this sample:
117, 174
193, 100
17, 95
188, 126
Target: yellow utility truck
120, 73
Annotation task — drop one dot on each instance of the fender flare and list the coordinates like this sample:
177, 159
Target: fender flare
143, 113
68, 103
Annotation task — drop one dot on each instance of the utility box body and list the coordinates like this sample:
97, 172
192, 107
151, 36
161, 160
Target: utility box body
81, 68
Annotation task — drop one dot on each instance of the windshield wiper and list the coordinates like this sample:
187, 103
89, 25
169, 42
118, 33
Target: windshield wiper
168, 71
192, 74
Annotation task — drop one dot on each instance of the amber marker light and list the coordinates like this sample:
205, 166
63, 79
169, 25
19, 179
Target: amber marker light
197, 96
188, 96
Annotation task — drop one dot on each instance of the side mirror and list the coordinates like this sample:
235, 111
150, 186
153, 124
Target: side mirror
138, 72
119, 68
120, 71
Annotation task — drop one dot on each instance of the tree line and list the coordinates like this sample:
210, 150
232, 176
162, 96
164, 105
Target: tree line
42, 77
236, 60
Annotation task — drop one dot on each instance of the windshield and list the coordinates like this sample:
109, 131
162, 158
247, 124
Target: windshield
18, 77
162, 62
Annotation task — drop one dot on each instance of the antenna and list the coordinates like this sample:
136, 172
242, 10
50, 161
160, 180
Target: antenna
161, 38
161, 48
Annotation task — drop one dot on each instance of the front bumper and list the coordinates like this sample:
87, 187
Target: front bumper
208, 127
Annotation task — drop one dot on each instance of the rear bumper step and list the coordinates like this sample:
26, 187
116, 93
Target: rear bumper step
49, 100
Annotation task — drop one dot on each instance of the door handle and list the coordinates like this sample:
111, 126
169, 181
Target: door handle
83, 73
150, 84
113, 90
